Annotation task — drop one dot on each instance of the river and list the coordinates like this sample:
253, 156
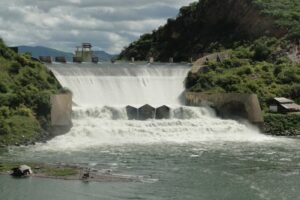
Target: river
192, 155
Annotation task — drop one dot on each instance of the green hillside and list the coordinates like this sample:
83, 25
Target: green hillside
25, 88
212, 25
260, 67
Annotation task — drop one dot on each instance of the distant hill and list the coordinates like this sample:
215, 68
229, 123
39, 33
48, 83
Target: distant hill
45, 51
103, 56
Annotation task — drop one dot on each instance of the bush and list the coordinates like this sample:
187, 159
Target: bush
4, 111
4, 127
289, 76
24, 111
278, 124
261, 52
15, 67
245, 71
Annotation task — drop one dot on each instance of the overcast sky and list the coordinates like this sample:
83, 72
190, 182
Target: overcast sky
63, 24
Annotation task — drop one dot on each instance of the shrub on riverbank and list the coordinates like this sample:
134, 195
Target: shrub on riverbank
25, 89
282, 125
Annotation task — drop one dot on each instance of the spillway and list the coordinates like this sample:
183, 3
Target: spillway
123, 84
101, 92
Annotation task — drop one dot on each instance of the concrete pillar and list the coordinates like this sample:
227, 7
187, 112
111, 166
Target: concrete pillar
151, 60
77, 59
132, 59
95, 60
146, 112
162, 112
60, 59
61, 110
45, 59
171, 59
132, 113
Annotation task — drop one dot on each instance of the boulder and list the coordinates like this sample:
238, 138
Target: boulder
22, 170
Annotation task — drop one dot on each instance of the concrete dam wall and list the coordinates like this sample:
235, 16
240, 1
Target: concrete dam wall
229, 105
61, 113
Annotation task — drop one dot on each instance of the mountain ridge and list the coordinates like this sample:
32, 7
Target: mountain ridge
211, 25
37, 51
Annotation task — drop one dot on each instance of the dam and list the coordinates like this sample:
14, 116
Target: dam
110, 102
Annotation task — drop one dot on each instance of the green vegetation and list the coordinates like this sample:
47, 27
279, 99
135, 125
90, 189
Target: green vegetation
61, 171
278, 124
285, 12
198, 29
259, 68
25, 89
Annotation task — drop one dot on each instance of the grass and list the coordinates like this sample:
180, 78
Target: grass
46, 170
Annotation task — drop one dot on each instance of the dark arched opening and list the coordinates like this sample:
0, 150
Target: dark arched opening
233, 110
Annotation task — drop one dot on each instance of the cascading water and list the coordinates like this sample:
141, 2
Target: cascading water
122, 84
101, 93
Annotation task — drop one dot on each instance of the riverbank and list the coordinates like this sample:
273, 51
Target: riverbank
282, 124
67, 172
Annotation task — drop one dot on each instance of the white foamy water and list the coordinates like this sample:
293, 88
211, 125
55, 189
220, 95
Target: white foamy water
123, 84
109, 126
103, 91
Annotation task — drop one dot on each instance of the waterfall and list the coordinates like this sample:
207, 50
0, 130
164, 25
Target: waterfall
123, 84
101, 93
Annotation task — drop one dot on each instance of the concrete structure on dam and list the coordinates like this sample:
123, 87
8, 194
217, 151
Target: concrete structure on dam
148, 112
61, 113
229, 105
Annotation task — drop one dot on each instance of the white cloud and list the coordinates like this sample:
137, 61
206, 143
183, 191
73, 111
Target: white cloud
63, 24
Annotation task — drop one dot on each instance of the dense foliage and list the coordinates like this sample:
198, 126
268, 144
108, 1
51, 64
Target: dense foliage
285, 12
213, 25
259, 68
25, 89
278, 124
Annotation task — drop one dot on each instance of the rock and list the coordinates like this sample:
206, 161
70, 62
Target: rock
162, 112
22, 170
146, 112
